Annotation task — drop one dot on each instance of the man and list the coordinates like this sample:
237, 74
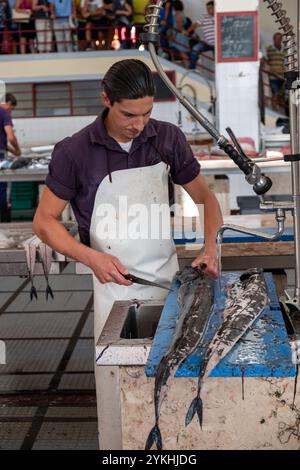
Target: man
166, 22
5, 19
123, 20
61, 11
8, 142
118, 164
207, 23
139, 8
275, 60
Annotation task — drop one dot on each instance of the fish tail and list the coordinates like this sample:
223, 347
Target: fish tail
33, 292
195, 407
49, 292
154, 437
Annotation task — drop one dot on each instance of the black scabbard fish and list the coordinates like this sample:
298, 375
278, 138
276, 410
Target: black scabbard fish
195, 299
30, 247
46, 260
245, 300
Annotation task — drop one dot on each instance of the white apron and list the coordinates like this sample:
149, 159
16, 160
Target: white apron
153, 259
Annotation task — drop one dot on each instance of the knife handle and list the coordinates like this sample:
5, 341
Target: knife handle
129, 277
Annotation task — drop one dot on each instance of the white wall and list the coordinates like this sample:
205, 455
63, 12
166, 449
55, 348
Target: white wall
44, 131
237, 86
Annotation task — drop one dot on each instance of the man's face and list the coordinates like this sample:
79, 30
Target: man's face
128, 118
8, 106
277, 40
210, 10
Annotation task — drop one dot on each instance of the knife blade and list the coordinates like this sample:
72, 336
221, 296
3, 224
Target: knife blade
144, 282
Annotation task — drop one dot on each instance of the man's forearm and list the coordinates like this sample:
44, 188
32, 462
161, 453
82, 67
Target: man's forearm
14, 150
212, 220
13, 146
52, 232
192, 28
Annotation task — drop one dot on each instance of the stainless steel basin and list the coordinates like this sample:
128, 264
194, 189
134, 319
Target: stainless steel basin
127, 335
141, 322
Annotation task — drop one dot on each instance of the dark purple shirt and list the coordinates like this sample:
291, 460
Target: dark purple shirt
5, 120
79, 163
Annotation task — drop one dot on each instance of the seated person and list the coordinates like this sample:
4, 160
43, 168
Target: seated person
207, 23
275, 61
123, 19
178, 40
99, 15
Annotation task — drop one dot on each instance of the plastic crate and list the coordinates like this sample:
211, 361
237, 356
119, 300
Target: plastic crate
24, 204
23, 195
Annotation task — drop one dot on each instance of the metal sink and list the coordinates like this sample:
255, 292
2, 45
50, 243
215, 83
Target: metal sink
141, 322
128, 332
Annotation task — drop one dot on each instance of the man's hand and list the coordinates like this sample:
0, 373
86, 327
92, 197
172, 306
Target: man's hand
12, 142
108, 268
208, 262
13, 150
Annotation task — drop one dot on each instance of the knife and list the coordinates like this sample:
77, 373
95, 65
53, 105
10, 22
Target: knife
144, 282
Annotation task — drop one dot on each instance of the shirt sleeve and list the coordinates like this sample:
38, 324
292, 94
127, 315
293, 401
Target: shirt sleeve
62, 179
184, 166
7, 121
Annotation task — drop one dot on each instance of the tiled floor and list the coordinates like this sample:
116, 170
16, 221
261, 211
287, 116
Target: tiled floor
47, 387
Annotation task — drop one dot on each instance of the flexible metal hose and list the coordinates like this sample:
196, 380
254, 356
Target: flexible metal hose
289, 39
261, 184
152, 17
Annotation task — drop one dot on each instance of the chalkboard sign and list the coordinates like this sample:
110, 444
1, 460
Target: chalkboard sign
237, 36
162, 92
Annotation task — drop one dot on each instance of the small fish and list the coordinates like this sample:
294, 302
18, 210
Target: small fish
195, 299
245, 301
46, 260
30, 247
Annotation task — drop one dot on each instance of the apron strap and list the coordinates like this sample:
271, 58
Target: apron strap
170, 182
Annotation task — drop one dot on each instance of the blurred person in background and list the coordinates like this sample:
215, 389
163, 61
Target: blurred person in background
8, 142
207, 43
43, 26
26, 27
166, 22
178, 41
5, 25
99, 28
138, 17
81, 24
13, 28
275, 61
123, 20
61, 11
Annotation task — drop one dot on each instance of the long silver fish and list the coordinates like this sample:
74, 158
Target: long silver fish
195, 299
30, 247
46, 260
246, 299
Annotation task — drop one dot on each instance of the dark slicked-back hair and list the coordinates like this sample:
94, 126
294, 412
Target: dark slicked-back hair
10, 98
128, 79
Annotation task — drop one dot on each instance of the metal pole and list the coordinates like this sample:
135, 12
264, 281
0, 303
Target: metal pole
295, 168
294, 125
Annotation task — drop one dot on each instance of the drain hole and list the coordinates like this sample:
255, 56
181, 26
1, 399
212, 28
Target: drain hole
141, 322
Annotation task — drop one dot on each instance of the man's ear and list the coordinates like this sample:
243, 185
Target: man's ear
105, 99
